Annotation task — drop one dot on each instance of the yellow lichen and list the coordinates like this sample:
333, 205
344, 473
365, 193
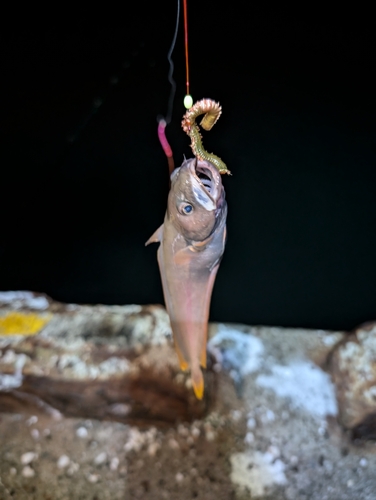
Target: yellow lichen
17, 323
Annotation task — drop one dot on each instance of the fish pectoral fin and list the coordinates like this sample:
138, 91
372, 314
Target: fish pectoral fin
199, 246
184, 255
156, 237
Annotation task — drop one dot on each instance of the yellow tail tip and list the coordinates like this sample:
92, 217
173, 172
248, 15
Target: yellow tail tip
198, 384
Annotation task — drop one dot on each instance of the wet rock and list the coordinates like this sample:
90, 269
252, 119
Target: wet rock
353, 366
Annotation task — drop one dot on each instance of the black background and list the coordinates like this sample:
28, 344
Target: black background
84, 180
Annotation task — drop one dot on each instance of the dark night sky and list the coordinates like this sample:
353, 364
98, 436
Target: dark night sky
84, 181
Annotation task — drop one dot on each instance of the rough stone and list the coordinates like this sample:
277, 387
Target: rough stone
353, 367
106, 362
270, 430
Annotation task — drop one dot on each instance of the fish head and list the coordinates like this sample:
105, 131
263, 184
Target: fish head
196, 199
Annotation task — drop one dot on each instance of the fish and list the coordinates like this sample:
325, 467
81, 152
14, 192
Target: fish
191, 241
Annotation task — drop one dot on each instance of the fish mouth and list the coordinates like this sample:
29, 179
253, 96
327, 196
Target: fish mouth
208, 177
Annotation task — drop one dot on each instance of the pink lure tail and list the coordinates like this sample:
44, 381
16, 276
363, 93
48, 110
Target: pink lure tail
165, 145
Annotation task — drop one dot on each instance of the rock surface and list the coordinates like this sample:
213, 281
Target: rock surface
112, 362
353, 367
267, 430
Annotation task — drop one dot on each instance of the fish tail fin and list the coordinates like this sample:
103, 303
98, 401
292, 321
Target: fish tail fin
198, 382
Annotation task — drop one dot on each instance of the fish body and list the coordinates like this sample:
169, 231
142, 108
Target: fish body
192, 241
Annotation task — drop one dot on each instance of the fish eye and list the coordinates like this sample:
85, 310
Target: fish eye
187, 209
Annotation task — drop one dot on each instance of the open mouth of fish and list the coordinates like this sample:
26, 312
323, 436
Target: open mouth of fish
209, 178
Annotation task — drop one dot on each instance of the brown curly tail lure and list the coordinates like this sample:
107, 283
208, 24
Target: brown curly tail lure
212, 111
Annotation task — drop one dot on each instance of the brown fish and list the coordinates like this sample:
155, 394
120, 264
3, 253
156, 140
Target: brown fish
192, 241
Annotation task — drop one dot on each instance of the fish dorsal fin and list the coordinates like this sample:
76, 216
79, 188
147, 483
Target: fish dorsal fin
156, 237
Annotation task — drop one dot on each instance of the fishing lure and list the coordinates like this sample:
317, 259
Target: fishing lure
212, 111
